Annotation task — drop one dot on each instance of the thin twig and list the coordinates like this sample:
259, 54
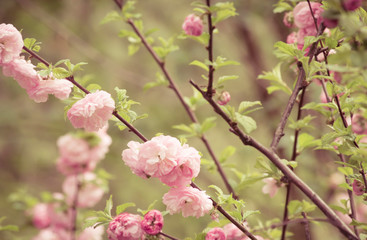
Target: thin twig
307, 227
209, 90
275, 159
167, 236
73, 208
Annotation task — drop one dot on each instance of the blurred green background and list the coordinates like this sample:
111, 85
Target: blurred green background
70, 29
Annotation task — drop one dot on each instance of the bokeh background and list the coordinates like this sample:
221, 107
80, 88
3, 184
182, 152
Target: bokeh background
70, 29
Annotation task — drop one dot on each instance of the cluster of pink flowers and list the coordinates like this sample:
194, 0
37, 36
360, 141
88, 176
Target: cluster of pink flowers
54, 223
303, 20
78, 154
92, 112
127, 226
15, 66
193, 25
175, 165
228, 232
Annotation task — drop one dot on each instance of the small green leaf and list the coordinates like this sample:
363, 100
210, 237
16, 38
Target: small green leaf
248, 123
109, 205
346, 170
200, 64
122, 207
226, 153
207, 124
111, 16
247, 104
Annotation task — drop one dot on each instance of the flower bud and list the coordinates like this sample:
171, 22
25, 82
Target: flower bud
351, 5
152, 223
224, 98
216, 234
193, 25
358, 188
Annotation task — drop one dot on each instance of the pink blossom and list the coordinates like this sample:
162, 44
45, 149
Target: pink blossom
188, 167
224, 98
288, 19
159, 155
190, 201
193, 25
215, 234
89, 193
60, 218
351, 5
52, 234
125, 226
60, 88
91, 233
233, 233
358, 187
23, 72
292, 38
41, 215
92, 112
75, 155
130, 157
304, 32
271, 187
152, 223
359, 124
303, 17
11, 43
331, 23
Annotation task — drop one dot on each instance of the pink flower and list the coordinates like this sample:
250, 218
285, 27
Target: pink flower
23, 72
190, 201
41, 215
61, 88
358, 187
303, 17
271, 187
351, 5
331, 23
159, 155
89, 193
304, 32
292, 38
359, 124
91, 233
53, 234
215, 234
125, 226
188, 167
233, 233
152, 223
224, 98
92, 112
11, 43
60, 218
193, 25
130, 157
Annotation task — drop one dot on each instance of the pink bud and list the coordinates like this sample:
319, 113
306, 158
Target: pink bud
351, 5
224, 98
214, 216
331, 23
216, 234
152, 223
358, 188
193, 25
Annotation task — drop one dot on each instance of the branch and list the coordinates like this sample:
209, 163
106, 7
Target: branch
167, 236
292, 99
209, 90
275, 159
73, 208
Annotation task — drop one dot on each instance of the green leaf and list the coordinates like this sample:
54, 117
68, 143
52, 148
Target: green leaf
282, 6
111, 16
109, 205
223, 79
276, 80
12, 228
122, 207
226, 153
305, 140
133, 48
246, 122
60, 73
200, 64
346, 170
247, 104
221, 62
208, 124
32, 44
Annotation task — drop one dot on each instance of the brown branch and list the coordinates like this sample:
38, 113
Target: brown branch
307, 227
275, 159
292, 99
73, 208
167, 236
209, 90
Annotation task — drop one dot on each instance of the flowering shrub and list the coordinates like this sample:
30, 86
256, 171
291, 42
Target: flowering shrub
325, 52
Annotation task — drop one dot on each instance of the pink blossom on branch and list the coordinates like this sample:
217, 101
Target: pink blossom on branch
125, 226
271, 186
92, 112
188, 200
193, 25
60, 88
303, 17
41, 215
152, 223
11, 43
233, 233
216, 234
